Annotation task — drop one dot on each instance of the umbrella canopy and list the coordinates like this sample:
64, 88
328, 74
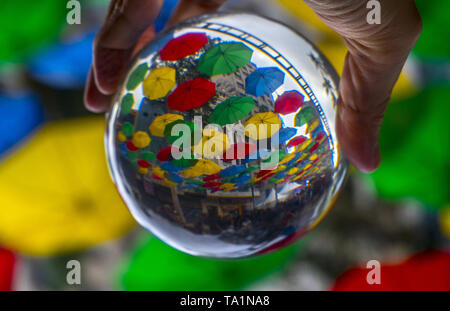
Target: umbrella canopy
286, 133
238, 151
304, 116
183, 46
213, 144
262, 125
231, 110
289, 102
56, 193
165, 153
137, 76
224, 58
264, 81
159, 82
159, 123
232, 170
202, 167
191, 94
296, 141
7, 263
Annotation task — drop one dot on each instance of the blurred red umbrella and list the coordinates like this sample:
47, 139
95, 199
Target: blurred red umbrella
211, 184
428, 271
296, 141
191, 94
289, 102
211, 177
183, 46
165, 153
238, 151
7, 262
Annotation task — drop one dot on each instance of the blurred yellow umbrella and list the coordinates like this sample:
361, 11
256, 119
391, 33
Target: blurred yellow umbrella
159, 82
262, 125
159, 124
202, 167
56, 195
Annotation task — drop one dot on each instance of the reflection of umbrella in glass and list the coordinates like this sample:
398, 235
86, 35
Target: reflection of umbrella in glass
19, 115
286, 133
191, 94
238, 151
304, 116
224, 58
159, 123
232, 170
183, 46
7, 263
296, 141
264, 81
173, 133
265, 125
56, 193
159, 82
164, 154
212, 144
202, 167
289, 102
231, 110
137, 76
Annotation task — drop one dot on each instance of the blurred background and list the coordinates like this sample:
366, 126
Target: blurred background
57, 201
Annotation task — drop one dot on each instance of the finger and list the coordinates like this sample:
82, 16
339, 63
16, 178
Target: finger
376, 56
191, 8
126, 21
95, 100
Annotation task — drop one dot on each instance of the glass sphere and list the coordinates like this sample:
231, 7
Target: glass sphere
221, 140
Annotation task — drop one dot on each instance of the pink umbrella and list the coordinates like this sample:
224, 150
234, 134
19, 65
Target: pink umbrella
289, 102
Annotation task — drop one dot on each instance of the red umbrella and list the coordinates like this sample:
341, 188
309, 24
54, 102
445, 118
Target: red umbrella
7, 262
296, 141
211, 184
183, 46
429, 270
191, 94
164, 153
211, 177
238, 151
289, 102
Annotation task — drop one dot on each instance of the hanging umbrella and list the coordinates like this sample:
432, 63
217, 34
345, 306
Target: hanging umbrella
212, 144
190, 126
169, 167
289, 102
304, 116
191, 94
264, 81
224, 58
241, 179
164, 154
296, 141
56, 193
7, 263
159, 82
238, 151
183, 46
137, 76
232, 170
231, 110
20, 114
286, 133
184, 163
211, 177
159, 123
202, 167
265, 124
211, 184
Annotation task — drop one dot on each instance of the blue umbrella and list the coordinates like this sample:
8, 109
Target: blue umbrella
232, 170
19, 115
241, 179
167, 166
175, 178
286, 133
264, 81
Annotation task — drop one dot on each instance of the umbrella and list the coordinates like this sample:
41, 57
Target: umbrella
289, 102
19, 115
231, 110
56, 193
191, 94
169, 167
232, 170
238, 151
7, 263
159, 123
141, 139
126, 104
241, 179
183, 46
304, 116
211, 184
137, 76
213, 144
159, 82
296, 141
184, 163
264, 81
211, 177
202, 167
165, 153
262, 125
286, 133
224, 58
193, 130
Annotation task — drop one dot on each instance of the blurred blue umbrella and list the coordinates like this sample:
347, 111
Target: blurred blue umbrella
232, 170
167, 166
241, 179
264, 81
286, 133
19, 115
164, 15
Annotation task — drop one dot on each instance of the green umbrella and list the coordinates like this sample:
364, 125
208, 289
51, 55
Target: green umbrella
137, 76
195, 137
224, 58
184, 163
304, 116
231, 110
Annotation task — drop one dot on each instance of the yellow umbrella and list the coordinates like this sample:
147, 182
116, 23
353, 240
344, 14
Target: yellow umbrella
159, 124
262, 125
213, 144
159, 82
56, 195
202, 167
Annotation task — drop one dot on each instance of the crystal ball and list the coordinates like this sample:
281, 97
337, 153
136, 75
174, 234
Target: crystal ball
221, 139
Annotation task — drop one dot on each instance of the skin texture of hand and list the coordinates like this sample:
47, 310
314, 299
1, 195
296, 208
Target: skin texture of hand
376, 55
